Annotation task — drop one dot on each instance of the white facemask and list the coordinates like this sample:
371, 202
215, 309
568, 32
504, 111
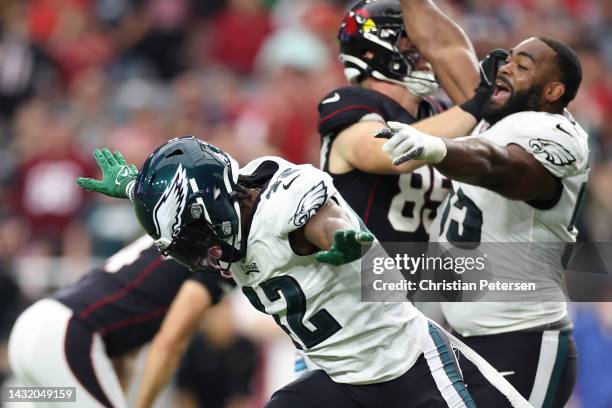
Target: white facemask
421, 83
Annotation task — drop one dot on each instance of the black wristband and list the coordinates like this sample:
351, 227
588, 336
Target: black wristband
475, 106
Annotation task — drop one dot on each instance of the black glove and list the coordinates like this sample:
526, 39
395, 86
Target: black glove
488, 68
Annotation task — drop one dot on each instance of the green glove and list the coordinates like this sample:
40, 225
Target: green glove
118, 177
346, 248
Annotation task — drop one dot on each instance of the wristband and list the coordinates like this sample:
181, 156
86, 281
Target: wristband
129, 190
475, 106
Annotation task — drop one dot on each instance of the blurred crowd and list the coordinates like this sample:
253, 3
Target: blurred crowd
245, 75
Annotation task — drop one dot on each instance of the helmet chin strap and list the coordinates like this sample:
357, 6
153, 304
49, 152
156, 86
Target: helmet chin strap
229, 255
234, 251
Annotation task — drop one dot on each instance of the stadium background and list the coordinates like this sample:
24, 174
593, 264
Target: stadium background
245, 75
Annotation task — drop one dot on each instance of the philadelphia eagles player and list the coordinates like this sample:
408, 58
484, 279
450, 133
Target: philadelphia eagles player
293, 245
519, 181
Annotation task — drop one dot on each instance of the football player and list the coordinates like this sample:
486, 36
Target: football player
84, 335
521, 180
391, 66
293, 245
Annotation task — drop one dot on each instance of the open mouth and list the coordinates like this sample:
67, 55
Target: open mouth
502, 91
213, 257
212, 261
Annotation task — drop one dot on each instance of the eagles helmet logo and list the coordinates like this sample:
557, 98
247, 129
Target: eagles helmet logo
168, 212
555, 153
312, 201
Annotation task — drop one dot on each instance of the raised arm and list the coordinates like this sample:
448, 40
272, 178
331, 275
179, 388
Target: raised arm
445, 45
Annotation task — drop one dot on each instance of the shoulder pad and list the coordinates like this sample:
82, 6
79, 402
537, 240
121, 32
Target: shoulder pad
346, 106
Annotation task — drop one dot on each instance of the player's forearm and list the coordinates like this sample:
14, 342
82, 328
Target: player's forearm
508, 170
161, 363
454, 122
428, 27
361, 150
331, 226
369, 157
457, 72
445, 45
476, 161
321, 228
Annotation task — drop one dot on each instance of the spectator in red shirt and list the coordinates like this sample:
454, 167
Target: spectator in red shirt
46, 195
238, 33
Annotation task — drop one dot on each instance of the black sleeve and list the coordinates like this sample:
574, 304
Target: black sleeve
344, 107
214, 283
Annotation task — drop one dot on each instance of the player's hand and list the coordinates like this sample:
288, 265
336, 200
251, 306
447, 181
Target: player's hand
118, 177
488, 68
346, 248
408, 143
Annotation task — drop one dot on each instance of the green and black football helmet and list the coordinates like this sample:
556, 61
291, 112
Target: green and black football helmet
184, 200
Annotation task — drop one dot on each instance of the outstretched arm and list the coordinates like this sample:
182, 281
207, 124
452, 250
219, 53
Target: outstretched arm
445, 45
508, 170
319, 223
321, 228
332, 231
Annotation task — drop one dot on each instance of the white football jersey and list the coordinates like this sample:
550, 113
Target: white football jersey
318, 305
475, 214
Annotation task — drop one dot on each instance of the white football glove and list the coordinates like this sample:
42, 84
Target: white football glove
409, 143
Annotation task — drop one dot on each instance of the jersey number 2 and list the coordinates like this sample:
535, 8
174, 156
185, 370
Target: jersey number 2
324, 323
